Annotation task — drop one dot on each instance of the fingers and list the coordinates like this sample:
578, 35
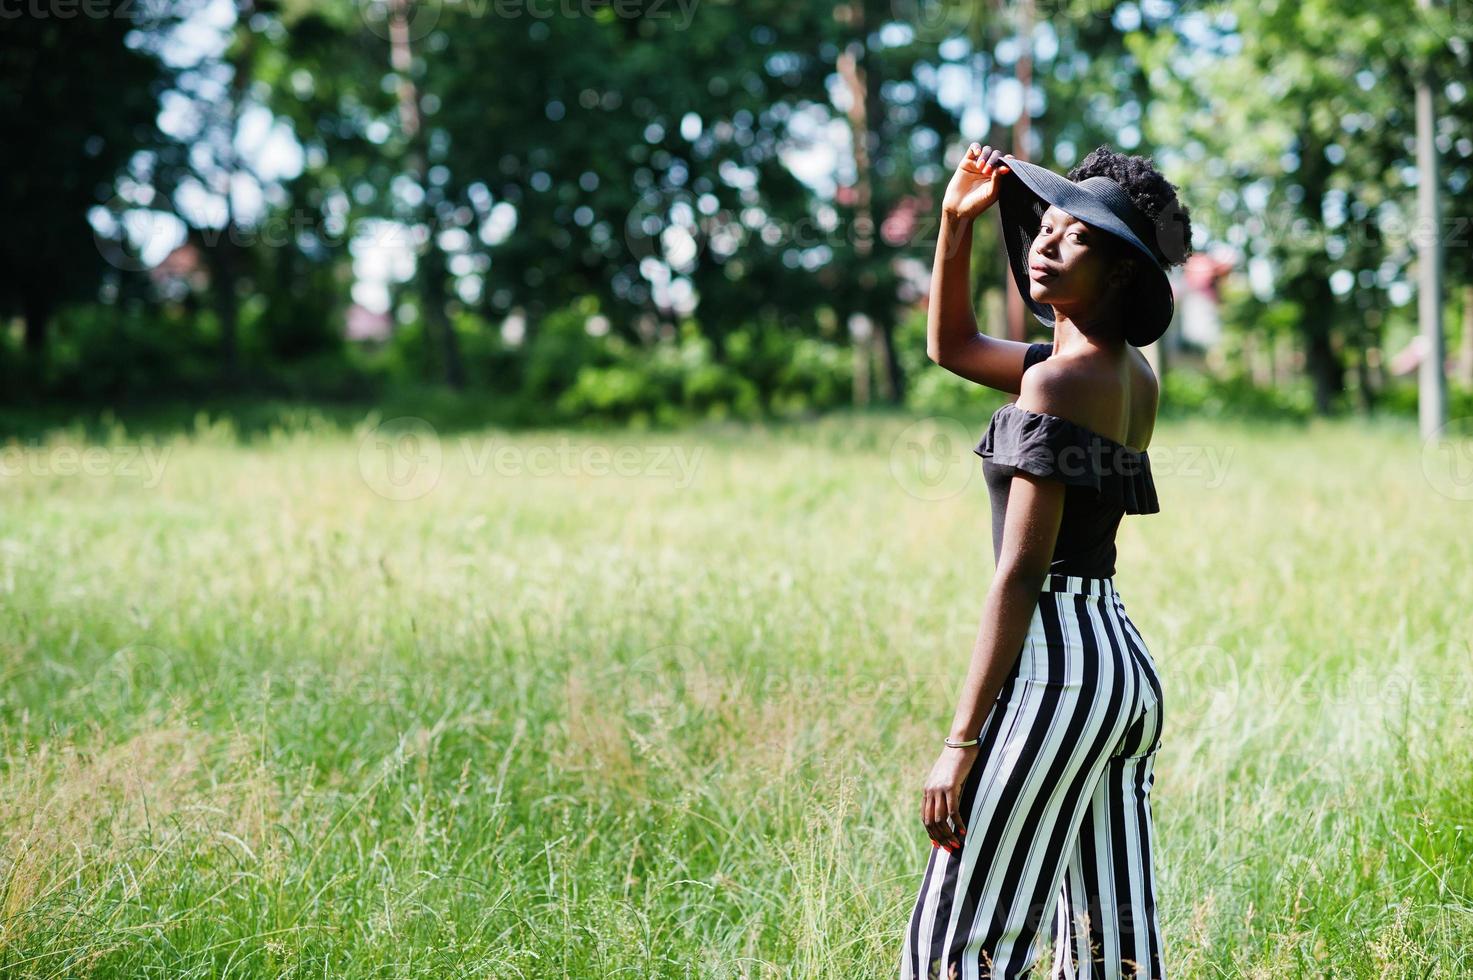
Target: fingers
984, 160
932, 815
926, 809
992, 160
938, 813
954, 801
949, 838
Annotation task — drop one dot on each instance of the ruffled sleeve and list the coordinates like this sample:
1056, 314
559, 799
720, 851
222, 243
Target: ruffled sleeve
1051, 446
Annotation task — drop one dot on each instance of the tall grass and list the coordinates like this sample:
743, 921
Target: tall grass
399, 702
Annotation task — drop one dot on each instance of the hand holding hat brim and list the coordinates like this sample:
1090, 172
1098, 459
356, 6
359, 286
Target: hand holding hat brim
974, 187
1101, 203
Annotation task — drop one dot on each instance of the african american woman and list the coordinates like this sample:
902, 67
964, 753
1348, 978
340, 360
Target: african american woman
1039, 806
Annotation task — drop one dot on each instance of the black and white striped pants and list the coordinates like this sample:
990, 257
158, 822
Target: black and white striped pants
1057, 809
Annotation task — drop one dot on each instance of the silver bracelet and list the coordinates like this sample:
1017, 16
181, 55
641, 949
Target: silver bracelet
952, 743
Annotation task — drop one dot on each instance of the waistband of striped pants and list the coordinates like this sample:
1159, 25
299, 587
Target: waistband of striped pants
1082, 584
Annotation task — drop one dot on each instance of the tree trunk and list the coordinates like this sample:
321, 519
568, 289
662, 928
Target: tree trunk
993, 293
432, 295
1364, 384
861, 339
892, 384
431, 262
38, 320
859, 71
223, 290
532, 315
222, 254
1311, 288
1316, 328
1323, 366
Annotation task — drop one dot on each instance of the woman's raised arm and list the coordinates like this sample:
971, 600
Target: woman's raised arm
952, 338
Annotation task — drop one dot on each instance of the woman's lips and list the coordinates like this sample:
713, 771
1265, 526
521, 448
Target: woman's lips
1039, 272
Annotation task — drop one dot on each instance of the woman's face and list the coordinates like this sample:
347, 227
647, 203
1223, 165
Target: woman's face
1070, 263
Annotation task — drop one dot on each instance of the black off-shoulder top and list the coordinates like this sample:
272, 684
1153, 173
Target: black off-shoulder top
1105, 479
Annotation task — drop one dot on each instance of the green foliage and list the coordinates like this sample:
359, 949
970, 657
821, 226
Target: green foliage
1401, 399
1294, 141
558, 350
932, 388
609, 153
300, 314
100, 353
492, 365
68, 134
764, 373
814, 374
1195, 393
562, 372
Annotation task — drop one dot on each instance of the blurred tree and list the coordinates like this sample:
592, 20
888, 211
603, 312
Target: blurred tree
627, 154
431, 266
692, 178
1295, 123
202, 174
1048, 85
69, 131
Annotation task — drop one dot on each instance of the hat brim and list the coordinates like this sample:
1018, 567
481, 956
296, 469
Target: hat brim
1021, 203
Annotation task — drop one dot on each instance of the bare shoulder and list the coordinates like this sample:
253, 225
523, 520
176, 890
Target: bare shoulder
1060, 386
1146, 386
1145, 400
1097, 395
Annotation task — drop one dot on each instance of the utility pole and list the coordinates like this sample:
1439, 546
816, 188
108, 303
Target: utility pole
1431, 381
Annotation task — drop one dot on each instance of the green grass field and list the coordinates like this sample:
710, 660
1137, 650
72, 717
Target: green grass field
396, 702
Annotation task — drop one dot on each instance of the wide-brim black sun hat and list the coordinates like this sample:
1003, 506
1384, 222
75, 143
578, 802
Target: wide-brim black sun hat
1026, 192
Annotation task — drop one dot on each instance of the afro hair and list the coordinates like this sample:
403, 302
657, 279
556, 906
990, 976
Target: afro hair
1149, 191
